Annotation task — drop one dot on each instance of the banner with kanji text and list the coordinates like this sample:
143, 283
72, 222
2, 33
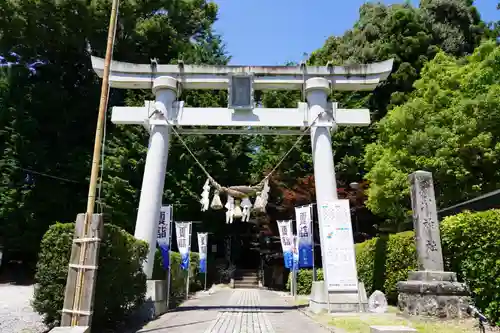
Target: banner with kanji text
303, 222
286, 232
183, 235
202, 250
163, 238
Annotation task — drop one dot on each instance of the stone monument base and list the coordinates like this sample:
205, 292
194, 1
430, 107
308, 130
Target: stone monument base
436, 294
347, 301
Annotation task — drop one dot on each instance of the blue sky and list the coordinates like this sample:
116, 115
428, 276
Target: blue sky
272, 32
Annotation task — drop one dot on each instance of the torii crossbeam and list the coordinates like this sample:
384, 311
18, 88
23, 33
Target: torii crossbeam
283, 121
317, 114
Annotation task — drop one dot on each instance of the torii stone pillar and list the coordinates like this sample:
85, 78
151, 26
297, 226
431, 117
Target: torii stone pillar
353, 299
150, 201
317, 90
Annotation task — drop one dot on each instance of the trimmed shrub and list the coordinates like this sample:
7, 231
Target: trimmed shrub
471, 248
365, 262
121, 284
385, 260
178, 277
471, 245
381, 263
401, 258
304, 280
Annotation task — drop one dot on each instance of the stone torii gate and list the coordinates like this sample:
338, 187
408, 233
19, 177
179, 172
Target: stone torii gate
240, 117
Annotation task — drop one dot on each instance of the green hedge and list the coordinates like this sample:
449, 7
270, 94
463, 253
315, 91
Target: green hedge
178, 277
372, 257
383, 261
121, 284
304, 280
471, 248
471, 245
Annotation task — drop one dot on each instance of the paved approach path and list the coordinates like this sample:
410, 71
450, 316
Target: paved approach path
235, 311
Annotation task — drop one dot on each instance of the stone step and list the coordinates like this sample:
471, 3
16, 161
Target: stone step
247, 281
246, 278
242, 284
246, 286
246, 269
246, 273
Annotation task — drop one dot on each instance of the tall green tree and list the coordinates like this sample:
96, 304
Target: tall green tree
448, 126
225, 157
409, 35
49, 116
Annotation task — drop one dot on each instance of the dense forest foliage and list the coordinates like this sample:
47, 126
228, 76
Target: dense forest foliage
49, 98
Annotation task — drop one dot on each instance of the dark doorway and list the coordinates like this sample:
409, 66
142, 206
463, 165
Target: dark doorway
245, 247
246, 257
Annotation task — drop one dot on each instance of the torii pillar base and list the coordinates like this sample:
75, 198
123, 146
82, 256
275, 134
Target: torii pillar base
338, 302
350, 300
156, 300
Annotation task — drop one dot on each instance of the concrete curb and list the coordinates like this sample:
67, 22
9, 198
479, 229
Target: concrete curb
307, 314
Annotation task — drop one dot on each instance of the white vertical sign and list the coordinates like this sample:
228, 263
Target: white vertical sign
286, 233
338, 246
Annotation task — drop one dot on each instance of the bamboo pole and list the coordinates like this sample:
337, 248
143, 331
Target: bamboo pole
103, 104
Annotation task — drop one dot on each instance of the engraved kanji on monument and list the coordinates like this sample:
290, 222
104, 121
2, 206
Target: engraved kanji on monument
425, 222
429, 291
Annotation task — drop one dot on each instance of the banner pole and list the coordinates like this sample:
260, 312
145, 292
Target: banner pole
189, 260
313, 243
169, 259
294, 277
205, 250
187, 284
295, 264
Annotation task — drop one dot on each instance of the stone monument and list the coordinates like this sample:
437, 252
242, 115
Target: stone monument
377, 302
430, 291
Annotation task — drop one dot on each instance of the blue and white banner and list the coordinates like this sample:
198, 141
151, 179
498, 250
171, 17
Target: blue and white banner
295, 252
304, 231
183, 235
202, 249
285, 229
163, 238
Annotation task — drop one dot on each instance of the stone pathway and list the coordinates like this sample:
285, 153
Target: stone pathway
235, 311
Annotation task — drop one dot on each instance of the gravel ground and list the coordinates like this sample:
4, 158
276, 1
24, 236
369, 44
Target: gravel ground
16, 313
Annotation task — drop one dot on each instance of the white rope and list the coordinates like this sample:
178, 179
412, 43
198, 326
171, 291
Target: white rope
272, 170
